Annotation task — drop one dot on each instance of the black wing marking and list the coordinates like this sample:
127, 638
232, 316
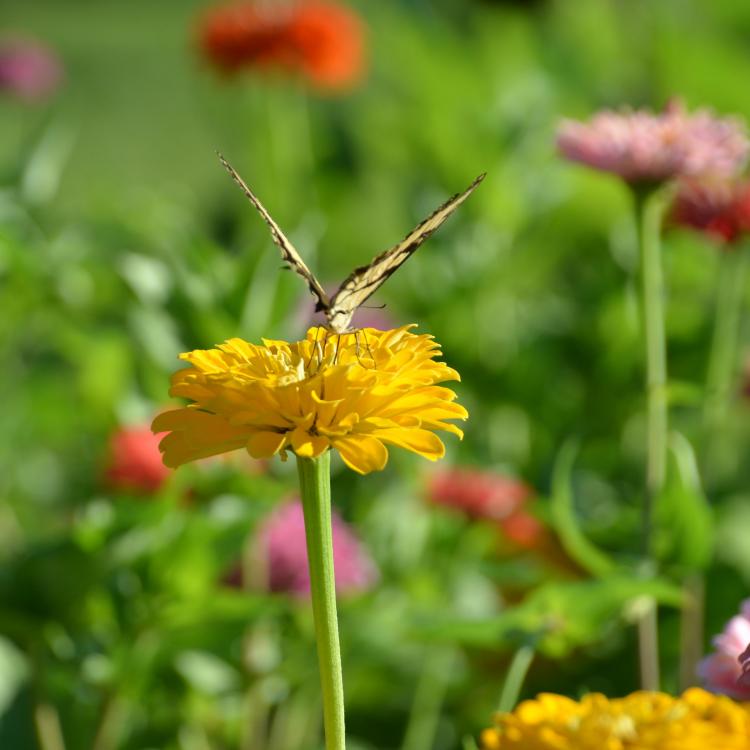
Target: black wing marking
365, 280
288, 252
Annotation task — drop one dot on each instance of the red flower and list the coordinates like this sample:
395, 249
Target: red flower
717, 207
479, 494
322, 41
329, 42
134, 461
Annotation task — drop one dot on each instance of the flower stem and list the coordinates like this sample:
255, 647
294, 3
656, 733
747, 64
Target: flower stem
428, 701
723, 355
315, 489
722, 364
649, 208
515, 677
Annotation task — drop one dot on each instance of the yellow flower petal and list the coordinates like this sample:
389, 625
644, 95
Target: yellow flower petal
265, 444
362, 453
306, 445
423, 442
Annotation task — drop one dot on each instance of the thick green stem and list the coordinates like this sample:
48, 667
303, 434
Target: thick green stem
649, 208
515, 677
315, 489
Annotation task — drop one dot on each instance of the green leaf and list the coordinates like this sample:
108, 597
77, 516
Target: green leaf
684, 517
565, 522
562, 616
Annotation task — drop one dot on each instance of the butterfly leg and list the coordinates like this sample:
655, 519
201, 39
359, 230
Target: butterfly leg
316, 349
336, 351
356, 344
369, 351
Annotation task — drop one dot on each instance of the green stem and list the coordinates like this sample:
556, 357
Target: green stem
649, 209
515, 677
315, 489
722, 364
428, 700
722, 361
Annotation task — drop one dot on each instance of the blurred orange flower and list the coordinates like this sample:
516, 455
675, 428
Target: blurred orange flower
321, 41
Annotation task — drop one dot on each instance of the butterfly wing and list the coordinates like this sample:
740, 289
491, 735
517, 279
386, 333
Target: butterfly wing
288, 252
364, 281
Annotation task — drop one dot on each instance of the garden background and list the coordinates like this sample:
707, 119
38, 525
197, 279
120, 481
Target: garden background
124, 622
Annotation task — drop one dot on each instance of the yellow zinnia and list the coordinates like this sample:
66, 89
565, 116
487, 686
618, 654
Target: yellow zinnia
641, 721
355, 392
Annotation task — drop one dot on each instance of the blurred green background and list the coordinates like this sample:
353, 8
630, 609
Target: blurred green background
123, 242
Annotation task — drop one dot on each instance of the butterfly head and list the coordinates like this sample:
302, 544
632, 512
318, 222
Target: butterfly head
339, 321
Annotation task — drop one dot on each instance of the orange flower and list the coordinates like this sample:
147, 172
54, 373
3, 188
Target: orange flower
329, 42
321, 41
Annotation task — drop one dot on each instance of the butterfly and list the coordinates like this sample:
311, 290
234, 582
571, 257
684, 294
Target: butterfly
365, 280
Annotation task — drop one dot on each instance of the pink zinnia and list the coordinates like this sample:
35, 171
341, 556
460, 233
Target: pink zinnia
718, 207
28, 69
722, 671
643, 147
282, 549
134, 461
478, 494
744, 660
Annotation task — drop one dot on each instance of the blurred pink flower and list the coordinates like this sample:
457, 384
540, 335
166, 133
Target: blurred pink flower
721, 671
718, 207
478, 494
376, 316
282, 549
134, 461
643, 147
28, 69
744, 660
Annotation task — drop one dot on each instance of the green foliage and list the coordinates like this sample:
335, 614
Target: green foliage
123, 243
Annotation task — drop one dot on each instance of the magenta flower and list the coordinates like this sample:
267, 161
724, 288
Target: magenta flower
282, 552
744, 660
722, 672
647, 148
28, 69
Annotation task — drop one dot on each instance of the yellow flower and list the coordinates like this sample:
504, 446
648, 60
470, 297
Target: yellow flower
354, 392
641, 721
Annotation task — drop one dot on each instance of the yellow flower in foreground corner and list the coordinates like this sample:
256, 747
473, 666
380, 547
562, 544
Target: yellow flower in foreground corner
641, 721
355, 392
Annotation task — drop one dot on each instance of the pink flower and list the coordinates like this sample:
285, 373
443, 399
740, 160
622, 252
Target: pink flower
744, 660
478, 494
28, 69
134, 461
282, 550
643, 147
721, 671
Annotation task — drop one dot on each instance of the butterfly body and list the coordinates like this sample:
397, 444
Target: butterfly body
365, 280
